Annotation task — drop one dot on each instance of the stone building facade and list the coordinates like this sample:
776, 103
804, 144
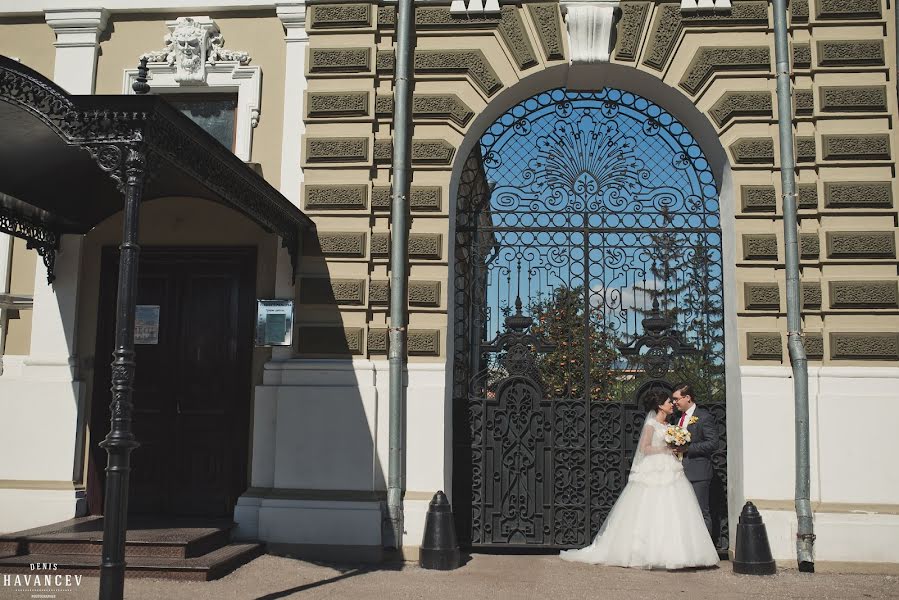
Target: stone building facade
322, 131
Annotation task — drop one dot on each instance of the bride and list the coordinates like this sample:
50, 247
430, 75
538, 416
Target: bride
656, 522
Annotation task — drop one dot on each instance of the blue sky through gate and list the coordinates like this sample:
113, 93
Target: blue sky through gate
590, 190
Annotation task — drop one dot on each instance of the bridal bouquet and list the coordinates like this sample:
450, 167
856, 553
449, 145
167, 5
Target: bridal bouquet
677, 436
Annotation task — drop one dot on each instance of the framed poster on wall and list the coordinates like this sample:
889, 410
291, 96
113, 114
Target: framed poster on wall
274, 322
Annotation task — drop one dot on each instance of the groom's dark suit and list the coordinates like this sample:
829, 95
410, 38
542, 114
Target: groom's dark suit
698, 458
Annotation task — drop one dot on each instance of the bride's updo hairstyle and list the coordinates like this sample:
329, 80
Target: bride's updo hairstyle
654, 399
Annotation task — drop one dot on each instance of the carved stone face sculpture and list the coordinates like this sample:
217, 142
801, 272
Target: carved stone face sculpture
188, 45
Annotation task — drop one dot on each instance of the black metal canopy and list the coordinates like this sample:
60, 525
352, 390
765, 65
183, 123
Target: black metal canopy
63, 161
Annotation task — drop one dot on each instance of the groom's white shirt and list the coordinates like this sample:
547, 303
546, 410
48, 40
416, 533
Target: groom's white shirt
689, 414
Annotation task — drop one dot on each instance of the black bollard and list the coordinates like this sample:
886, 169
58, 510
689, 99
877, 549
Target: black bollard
439, 549
753, 553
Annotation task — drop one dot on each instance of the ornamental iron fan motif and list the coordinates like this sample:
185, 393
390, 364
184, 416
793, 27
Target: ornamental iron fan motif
587, 272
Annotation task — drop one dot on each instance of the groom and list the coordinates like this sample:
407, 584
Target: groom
703, 444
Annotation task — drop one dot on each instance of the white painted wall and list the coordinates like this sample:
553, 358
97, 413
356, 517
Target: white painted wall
852, 440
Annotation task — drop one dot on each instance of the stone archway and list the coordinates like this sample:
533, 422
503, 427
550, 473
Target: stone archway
550, 481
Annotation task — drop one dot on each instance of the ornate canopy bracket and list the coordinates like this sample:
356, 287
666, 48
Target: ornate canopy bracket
662, 341
36, 235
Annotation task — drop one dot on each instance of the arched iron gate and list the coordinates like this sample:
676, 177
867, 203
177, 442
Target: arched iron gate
587, 271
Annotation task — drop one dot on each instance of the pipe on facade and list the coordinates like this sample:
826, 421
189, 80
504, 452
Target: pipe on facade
805, 537
399, 238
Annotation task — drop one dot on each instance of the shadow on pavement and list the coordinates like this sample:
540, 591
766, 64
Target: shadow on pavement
315, 584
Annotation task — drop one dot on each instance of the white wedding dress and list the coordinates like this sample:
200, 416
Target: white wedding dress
656, 522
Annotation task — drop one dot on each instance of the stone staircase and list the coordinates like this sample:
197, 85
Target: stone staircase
166, 548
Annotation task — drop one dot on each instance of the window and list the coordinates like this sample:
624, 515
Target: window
213, 112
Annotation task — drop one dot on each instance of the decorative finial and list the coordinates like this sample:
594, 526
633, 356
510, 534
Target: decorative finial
140, 85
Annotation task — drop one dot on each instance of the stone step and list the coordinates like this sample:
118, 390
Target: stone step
213, 565
162, 538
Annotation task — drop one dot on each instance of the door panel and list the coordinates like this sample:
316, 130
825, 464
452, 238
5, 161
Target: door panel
191, 389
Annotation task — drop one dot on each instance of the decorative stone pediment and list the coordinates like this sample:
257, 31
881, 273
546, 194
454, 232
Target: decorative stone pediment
194, 43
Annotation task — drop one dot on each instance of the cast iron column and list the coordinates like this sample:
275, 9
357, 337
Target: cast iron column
121, 441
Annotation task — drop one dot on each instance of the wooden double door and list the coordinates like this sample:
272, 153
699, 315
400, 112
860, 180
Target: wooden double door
192, 381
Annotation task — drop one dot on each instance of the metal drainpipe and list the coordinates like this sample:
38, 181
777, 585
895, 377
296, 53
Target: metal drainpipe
399, 253
805, 538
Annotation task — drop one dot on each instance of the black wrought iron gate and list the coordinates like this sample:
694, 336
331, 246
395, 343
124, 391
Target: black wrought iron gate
587, 271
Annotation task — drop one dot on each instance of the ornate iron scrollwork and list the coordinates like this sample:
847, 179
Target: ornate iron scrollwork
36, 235
588, 248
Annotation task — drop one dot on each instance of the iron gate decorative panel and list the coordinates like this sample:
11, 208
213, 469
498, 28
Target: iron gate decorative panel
586, 224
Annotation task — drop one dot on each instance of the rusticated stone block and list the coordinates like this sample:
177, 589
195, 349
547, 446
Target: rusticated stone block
380, 245
798, 11
449, 106
549, 28
336, 150
387, 17
741, 104
858, 194
808, 196
814, 345
861, 244
873, 146
337, 104
864, 346
329, 340
670, 22
425, 245
809, 246
849, 9
424, 293
377, 341
340, 245
472, 63
630, 30
421, 293
804, 102
760, 246
336, 197
339, 60
758, 198
423, 342
864, 294
811, 294
764, 346
850, 53
379, 291
806, 150
869, 98
710, 60
802, 56
430, 106
753, 151
385, 61
319, 290
513, 33
383, 150
762, 296
340, 16
421, 198
436, 152
508, 22
421, 245
419, 342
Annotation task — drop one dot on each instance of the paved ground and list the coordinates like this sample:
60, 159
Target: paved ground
489, 577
